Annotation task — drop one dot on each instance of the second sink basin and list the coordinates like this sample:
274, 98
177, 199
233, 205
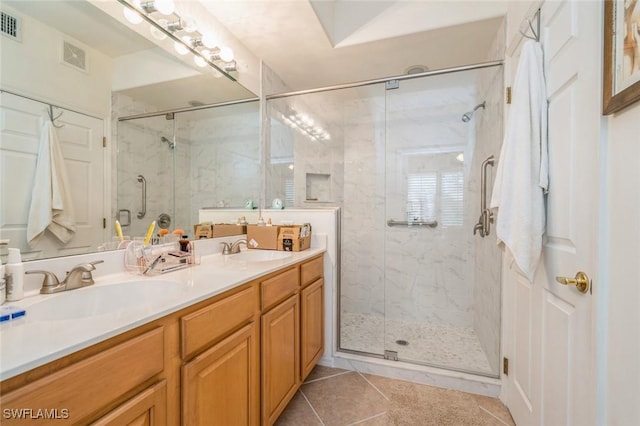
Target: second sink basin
260, 255
99, 300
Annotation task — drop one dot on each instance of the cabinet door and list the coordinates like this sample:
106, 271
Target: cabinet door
311, 326
280, 357
148, 408
221, 386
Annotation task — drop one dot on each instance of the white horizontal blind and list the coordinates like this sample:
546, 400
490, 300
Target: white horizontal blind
421, 197
451, 199
428, 193
289, 192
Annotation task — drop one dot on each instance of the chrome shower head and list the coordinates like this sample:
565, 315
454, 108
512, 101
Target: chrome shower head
171, 144
466, 117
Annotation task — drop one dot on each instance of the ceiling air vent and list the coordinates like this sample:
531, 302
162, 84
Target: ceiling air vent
74, 56
11, 26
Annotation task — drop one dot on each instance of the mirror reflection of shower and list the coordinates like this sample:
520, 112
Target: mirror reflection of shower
171, 144
466, 117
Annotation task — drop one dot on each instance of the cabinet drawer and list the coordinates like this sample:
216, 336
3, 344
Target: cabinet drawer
89, 385
311, 271
279, 287
214, 322
147, 408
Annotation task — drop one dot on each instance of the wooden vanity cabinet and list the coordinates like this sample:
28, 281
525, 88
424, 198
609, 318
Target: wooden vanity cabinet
311, 326
80, 391
292, 333
147, 408
235, 359
280, 354
311, 314
221, 385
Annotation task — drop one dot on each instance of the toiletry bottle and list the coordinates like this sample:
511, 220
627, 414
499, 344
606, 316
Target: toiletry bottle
185, 245
15, 275
3, 290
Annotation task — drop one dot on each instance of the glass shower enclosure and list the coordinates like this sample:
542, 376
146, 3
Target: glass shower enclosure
402, 159
171, 165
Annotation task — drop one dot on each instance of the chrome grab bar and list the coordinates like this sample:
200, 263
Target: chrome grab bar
486, 215
430, 224
141, 214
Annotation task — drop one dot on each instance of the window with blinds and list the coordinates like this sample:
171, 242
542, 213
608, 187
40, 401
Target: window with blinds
289, 192
451, 199
430, 193
421, 197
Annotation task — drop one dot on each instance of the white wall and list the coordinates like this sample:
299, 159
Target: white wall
622, 387
34, 68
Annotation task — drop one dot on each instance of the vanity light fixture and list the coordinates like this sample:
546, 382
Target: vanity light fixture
166, 7
204, 45
132, 14
305, 125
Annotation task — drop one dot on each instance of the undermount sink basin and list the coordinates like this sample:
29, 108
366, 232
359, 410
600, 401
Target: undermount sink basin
259, 256
98, 300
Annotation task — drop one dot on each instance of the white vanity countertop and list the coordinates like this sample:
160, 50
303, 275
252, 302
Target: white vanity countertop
30, 342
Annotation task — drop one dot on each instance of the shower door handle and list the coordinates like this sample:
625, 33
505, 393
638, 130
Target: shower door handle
142, 213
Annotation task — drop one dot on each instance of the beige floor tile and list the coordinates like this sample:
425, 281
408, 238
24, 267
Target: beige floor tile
298, 413
495, 407
382, 420
344, 399
414, 404
320, 372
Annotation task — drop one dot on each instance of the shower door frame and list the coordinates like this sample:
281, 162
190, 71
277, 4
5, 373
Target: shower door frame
391, 81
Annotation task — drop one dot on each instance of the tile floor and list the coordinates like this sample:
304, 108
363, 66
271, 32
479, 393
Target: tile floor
333, 396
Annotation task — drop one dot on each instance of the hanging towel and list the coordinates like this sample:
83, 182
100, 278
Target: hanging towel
51, 207
522, 175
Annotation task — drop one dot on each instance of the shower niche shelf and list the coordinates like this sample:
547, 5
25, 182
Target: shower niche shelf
318, 188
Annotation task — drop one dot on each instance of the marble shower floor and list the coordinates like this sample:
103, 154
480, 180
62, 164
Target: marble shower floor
434, 344
336, 397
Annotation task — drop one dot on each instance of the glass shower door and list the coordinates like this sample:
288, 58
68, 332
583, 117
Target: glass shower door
362, 303
145, 177
429, 261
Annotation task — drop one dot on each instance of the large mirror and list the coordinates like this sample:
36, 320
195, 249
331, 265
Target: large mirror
72, 62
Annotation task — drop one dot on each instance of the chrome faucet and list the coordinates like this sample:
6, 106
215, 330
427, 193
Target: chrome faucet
233, 248
79, 276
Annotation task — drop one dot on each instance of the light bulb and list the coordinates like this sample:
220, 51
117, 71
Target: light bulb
199, 61
166, 7
132, 15
189, 25
226, 54
180, 48
209, 40
156, 33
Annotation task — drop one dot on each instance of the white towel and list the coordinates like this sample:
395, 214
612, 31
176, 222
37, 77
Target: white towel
51, 207
522, 174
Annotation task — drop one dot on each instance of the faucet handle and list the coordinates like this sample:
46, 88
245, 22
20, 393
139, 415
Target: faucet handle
95, 262
50, 279
50, 283
226, 249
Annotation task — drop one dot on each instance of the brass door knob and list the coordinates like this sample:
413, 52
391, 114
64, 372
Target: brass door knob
581, 281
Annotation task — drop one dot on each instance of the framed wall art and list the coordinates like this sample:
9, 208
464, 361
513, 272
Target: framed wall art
621, 85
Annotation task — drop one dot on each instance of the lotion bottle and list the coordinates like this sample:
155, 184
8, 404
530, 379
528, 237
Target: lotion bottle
15, 275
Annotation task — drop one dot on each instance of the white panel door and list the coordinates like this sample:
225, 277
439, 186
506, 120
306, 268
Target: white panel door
80, 138
550, 335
